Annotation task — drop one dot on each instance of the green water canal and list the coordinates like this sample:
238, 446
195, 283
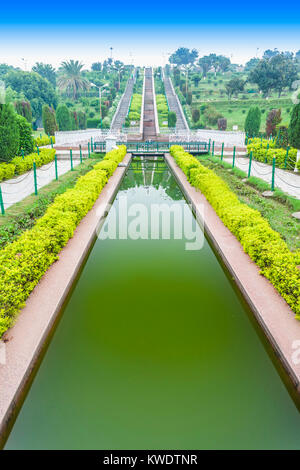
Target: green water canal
155, 349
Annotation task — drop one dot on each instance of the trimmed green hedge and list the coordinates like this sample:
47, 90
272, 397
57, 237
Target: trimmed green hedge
264, 246
20, 165
135, 107
262, 153
24, 261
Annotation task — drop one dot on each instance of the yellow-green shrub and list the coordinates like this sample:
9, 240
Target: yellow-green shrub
264, 246
7, 171
262, 153
24, 261
44, 140
19, 165
25, 164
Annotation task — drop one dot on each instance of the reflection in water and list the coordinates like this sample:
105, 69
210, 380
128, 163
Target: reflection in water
155, 350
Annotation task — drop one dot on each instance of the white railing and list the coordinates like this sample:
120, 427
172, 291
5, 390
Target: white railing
206, 135
78, 137
84, 136
142, 108
154, 104
179, 104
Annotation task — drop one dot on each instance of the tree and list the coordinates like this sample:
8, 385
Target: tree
220, 63
9, 133
195, 115
205, 64
253, 121
36, 89
49, 121
72, 79
23, 108
172, 119
269, 53
183, 56
26, 141
294, 127
251, 64
63, 118
119, 66
273, 119
196, 79
234, 87
275, 73
46, 71
97, 67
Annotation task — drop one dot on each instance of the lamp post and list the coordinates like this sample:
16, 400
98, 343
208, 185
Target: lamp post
100, 91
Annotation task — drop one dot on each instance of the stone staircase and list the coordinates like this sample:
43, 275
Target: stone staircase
121, 113
174, 106
149, 131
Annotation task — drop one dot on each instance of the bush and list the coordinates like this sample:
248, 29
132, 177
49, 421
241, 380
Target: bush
222, 124
262, 153
93, 123
63, 118
20, 165
189, 98
253, 121
7, 171
81, 120
49, 120
9, 133
294, 127
24, 261
44, 140
273, 119
25, 164
26, 141
172, 119
195, 115
264, 246
211, 115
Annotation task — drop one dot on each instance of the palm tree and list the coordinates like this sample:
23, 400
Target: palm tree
71, 79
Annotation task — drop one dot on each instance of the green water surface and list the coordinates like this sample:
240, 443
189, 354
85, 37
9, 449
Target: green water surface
155, 350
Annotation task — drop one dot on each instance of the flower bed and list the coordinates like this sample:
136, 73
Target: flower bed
24, 261
263, 244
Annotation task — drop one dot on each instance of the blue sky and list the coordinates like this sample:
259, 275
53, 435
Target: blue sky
145, 32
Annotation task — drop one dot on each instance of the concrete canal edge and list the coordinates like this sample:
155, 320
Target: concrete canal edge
271, 311
25, 342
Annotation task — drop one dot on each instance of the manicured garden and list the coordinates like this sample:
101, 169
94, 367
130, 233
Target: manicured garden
264, 245
24, 260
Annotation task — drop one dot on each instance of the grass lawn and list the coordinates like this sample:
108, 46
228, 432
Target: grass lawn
211, 90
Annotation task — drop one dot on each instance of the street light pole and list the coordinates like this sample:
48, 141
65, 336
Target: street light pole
100, 97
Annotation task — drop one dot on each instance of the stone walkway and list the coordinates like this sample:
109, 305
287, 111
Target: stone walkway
16, 189
287, 181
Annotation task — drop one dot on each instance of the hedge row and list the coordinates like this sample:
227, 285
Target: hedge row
264, 246
44, 140
262, 153
19, 165
24, 261
135, 107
